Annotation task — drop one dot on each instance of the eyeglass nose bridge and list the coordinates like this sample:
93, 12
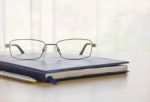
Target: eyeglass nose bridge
50, 44
58, 50
45, 47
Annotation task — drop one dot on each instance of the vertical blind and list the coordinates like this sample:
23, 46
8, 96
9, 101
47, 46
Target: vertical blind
115, 25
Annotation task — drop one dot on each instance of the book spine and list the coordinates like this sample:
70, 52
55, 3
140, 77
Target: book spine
22, 70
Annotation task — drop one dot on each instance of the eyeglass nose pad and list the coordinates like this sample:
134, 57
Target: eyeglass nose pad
44, 51
58, 50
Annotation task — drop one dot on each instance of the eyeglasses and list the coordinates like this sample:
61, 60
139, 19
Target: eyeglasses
31, 49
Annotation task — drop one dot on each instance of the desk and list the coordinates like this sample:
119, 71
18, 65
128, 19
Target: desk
131, 87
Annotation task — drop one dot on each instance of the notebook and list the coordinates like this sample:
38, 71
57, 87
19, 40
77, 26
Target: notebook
53, 69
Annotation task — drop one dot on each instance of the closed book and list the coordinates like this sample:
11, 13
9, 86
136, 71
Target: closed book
52, 68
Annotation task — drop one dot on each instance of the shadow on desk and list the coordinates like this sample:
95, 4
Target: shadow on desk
101, 79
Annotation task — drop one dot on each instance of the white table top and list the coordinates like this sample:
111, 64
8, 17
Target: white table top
131, 87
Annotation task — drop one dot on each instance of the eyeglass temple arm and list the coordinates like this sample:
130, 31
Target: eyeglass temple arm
82, 51
19, 48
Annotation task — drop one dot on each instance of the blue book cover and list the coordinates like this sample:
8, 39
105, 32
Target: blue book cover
44, 69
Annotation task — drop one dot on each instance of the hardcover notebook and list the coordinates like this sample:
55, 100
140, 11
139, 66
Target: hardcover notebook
52, 68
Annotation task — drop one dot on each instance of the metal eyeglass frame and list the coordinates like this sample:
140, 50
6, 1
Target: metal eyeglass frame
45, 48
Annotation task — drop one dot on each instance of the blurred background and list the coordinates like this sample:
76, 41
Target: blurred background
117, 27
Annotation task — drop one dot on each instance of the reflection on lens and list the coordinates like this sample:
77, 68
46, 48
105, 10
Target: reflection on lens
75, 48
26, 49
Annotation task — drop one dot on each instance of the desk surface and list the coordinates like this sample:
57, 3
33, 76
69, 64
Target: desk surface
131, 87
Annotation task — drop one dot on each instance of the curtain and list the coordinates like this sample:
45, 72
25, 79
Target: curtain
30, 19
114, 25
48, 20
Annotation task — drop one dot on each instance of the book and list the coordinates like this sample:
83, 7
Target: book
52, 68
